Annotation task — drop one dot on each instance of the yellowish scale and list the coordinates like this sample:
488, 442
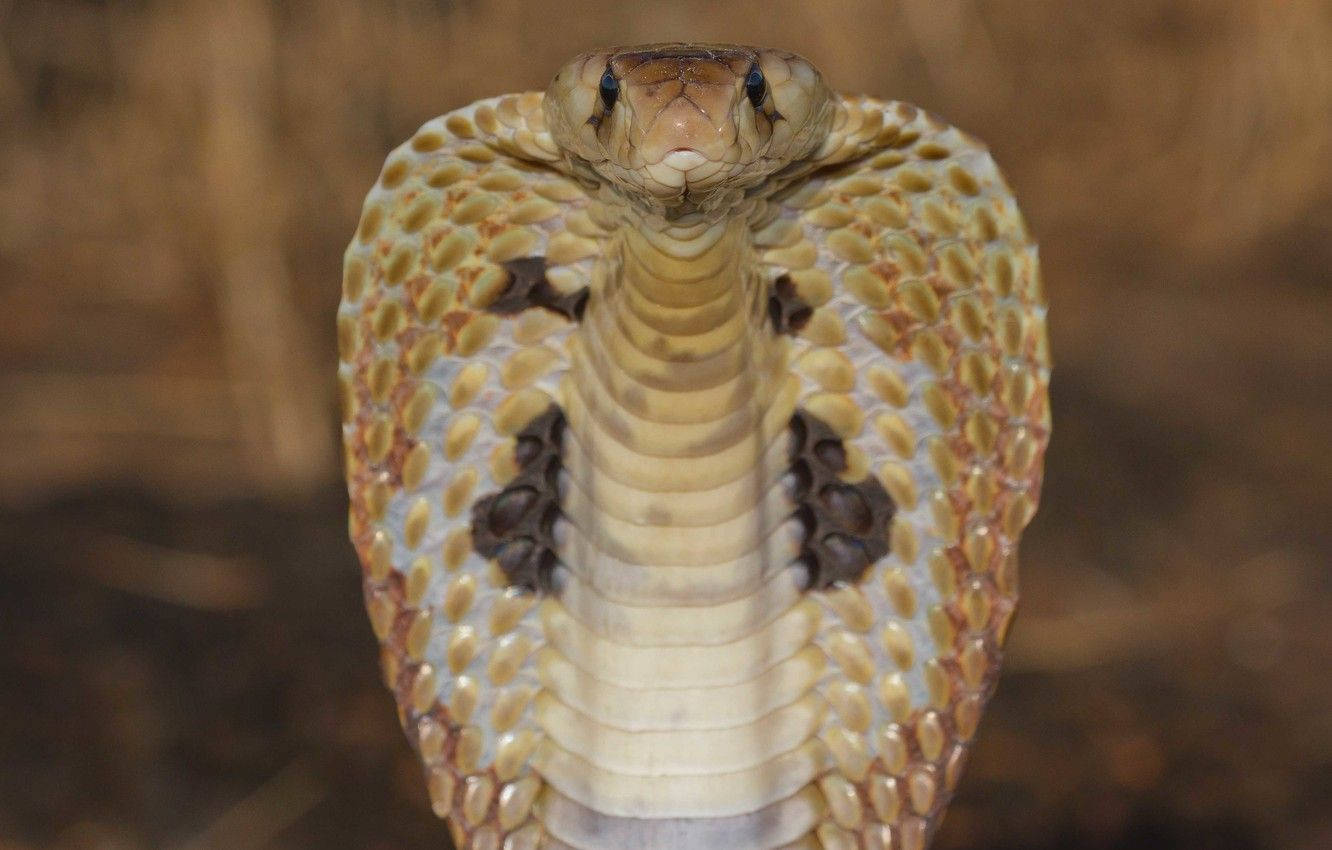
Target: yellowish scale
677, 683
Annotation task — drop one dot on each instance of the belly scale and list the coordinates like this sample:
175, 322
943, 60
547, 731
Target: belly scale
677, 679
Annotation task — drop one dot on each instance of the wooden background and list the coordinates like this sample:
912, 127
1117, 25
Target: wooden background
184, 662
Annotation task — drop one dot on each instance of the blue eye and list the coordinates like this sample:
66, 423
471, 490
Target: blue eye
610, 89
755, 86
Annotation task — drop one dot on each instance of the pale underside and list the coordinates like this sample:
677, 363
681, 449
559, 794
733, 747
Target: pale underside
678, 686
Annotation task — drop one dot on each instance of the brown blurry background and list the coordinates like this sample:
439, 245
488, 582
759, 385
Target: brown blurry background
184, 660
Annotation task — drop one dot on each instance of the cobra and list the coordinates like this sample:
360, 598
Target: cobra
692, 414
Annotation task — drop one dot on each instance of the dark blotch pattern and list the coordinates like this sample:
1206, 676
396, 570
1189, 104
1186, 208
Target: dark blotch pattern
846, 525
514, 525
785, 308
528, 287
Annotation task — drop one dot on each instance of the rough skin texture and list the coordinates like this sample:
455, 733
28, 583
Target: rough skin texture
676, 675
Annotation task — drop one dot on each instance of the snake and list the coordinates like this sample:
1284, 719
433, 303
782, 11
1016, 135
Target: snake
692, 413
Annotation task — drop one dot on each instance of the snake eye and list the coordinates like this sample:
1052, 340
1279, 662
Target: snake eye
755, 86
610, 89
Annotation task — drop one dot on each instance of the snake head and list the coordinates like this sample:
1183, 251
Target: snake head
670, 125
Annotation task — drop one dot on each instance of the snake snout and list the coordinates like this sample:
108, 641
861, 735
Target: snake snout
687, 123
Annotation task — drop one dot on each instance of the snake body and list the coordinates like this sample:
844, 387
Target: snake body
692, 414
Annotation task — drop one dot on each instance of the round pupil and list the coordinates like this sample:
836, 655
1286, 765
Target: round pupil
610, 89
754, 86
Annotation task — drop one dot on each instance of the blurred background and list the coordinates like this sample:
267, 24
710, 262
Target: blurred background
184, 658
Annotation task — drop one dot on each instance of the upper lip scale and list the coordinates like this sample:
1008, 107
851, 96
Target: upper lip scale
683, 159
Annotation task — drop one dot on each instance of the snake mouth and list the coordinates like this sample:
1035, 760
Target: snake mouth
681, 170
684, 159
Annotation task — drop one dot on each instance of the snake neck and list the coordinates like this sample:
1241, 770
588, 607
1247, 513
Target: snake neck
679, 318
675, 365
678, 399
673, 597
